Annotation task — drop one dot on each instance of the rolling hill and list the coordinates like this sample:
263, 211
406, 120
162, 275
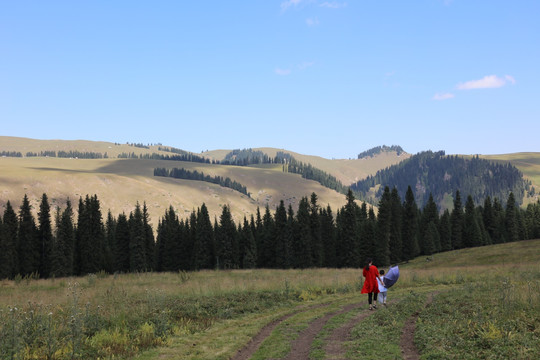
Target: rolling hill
120, 183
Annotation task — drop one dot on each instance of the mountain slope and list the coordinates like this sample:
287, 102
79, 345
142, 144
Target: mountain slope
120, 183
348, 171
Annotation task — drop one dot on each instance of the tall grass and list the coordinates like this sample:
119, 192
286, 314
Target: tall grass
102, 316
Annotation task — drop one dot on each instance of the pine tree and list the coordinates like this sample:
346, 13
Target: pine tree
249, 255
395, 242
328, 235
258, 229
283, 247
429, 215
227, 240
137, 248
8, 244
45, 237
64, 244
409, 232
149, 243
90, 235
472, 235
445, 228
348, 243
499, 215
431, 236
110, 229
511, 219
384, 220
267, 240
122, 249
28, 245
303, 244
203, 247
317, 250
456, 219
369, 236
169, 230
488, 217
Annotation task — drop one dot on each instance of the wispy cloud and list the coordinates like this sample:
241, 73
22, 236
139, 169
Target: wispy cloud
287, 4
443, 96
333, 5
487, 82
510, 79
306, 64
312, 21
282, 72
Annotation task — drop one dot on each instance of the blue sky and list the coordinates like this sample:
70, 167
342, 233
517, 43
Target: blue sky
327, 78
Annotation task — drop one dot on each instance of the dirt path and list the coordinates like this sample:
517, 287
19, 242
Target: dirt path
300, 347
254, 344
334, 348
408, 348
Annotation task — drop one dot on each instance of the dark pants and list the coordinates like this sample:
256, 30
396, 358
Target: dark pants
374, 297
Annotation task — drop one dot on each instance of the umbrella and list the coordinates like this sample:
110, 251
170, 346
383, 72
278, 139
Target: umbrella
391, 277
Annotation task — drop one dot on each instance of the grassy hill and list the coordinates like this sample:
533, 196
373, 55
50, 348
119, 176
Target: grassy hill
120, 183
347, 171
527, 162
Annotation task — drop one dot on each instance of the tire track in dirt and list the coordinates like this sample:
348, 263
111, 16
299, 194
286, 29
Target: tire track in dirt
408, 348
334, 348
247, 351
301, 347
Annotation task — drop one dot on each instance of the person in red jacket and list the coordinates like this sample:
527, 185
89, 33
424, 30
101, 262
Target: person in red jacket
371, 273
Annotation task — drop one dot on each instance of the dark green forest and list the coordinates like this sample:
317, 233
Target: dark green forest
379, 149
181, 173
62, 242
434, 173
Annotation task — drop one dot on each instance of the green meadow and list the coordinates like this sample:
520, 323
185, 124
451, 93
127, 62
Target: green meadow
485, 304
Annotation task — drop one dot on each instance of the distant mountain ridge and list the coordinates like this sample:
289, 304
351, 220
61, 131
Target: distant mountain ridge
120, 183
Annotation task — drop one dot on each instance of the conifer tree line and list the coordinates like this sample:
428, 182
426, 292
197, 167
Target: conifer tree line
61, 243
181, 173
379, 149
69, 154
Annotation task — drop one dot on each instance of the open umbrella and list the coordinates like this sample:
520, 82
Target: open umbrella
391, 277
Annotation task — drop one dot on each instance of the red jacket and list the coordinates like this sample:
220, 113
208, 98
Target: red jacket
370, 284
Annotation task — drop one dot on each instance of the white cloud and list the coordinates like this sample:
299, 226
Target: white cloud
487, 82
443, 96
312, 21
306, 64
282, 72
287, 4
333, 5
510, 78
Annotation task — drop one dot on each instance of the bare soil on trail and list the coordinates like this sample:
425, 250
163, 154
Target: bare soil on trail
408, 348
247, 351
334, 348
300, 347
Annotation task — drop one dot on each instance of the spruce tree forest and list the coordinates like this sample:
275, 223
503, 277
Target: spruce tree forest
62, 243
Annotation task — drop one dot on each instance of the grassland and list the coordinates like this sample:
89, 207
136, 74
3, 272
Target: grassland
348, 171
486, 304
120, 183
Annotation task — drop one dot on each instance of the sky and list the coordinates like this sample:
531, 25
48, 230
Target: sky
325, 78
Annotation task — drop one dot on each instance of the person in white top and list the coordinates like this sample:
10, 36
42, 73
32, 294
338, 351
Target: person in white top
382, 289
